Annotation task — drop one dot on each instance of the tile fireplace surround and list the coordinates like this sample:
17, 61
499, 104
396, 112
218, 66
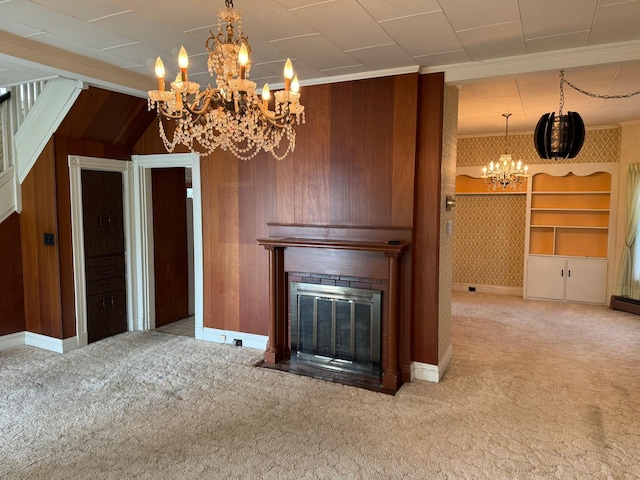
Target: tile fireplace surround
364, 252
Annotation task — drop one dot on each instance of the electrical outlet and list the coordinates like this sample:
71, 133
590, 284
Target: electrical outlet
49, 239
223, 338
237, 342
472, 289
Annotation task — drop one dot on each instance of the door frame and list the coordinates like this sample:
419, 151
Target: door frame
77, 163
143, 236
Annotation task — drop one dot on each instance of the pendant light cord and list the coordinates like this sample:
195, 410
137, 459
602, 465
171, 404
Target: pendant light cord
590, 94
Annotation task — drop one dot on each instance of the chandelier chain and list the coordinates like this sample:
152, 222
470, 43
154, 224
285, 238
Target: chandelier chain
228, 3
591, 94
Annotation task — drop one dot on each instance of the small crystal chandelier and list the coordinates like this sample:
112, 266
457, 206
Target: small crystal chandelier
231, 116
505, 172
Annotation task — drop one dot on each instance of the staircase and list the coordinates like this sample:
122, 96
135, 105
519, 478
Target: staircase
29, 115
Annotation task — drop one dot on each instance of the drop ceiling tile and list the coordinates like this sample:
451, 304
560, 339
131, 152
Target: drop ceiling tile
616, 23
317, 51
470, 14
82, 10
382, 10
557, 42
9, 26
352, 28
542, 18
443, 58
494, 41
173, 16
383, 57
423, 34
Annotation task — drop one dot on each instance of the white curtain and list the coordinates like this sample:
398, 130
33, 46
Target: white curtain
629, 285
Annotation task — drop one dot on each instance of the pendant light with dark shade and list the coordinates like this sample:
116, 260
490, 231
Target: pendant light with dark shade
559, 136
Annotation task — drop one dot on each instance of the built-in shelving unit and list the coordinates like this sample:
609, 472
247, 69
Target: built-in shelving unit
569, 228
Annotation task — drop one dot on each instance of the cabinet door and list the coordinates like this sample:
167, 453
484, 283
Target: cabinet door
545, 277
587, 280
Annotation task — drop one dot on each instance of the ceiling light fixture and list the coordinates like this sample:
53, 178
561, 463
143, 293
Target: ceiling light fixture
231, 116
559, 136
505, 172
563, 136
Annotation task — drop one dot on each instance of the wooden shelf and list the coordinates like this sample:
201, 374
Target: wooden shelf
570, 215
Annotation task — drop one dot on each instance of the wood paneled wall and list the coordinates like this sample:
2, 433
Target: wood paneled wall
170, 244
11, 284
426, 222
353, 165
41, 262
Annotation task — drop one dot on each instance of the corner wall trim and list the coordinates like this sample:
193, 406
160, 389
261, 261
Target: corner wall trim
432, 373
250, 340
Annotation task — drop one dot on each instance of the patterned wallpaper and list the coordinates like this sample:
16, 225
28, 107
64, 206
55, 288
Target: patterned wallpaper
599, 146
448, 186
490, 229
489, 240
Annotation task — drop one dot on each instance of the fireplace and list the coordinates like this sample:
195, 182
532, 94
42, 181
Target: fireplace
374, 263
336, 327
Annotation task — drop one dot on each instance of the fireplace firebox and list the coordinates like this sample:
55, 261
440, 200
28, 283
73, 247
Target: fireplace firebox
336, 327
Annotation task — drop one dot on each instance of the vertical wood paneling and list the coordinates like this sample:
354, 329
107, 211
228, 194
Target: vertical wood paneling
353, 165
404, 149
11, 284
426, 234
256, 207
219, 176
170, 244
40, 262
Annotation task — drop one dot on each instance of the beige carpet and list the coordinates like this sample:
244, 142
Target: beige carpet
535, 390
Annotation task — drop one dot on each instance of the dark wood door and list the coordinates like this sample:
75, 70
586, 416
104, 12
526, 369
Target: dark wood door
102, 213
104, 249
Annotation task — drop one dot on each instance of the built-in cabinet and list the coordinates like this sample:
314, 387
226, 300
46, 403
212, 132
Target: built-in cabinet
104, 249
569, 232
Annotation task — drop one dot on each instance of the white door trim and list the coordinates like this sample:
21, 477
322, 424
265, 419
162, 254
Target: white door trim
76, 165
143, 228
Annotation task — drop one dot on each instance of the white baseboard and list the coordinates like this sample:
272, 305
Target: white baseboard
497, 289
432, 373
12, 340
228, 336
50, 343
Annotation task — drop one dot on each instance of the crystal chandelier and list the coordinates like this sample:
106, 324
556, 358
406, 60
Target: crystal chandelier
505, 172
230, 116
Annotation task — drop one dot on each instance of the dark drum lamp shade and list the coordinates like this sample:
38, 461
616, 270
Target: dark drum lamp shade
559, 136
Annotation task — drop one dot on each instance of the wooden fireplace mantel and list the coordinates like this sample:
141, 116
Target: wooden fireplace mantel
373, 258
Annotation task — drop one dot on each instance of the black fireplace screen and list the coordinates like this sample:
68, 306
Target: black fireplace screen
338, 327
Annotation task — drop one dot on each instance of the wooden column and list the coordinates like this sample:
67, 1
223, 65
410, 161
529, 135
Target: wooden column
276, 347
390, 374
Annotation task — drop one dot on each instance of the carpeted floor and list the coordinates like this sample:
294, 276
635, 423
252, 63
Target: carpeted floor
535, 390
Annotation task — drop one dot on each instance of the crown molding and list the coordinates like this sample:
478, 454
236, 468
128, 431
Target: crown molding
536, 62
71, 65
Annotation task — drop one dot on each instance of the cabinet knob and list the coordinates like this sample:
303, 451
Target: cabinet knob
562, 272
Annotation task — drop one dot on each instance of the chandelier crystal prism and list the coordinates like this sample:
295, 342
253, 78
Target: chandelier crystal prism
230, 116
505, 172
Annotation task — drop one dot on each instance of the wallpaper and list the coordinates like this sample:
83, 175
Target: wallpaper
599, 146
489, 240
490, 229
449, 146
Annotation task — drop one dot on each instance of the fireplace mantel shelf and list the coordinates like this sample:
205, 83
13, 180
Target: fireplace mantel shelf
337, 244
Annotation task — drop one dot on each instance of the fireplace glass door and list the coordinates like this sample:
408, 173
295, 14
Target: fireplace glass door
336, 327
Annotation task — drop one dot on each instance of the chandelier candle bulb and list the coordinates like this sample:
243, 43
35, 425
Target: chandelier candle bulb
288, 74
160, 73
243, 60
183, 63
266, 95
295, 84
